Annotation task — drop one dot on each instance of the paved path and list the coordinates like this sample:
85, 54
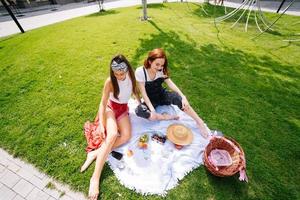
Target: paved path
47, 9
21, 181
29, 23
63, 13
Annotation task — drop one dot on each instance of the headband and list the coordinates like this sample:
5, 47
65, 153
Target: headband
119, 67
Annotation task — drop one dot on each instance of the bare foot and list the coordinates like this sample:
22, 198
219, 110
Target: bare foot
94, 189
164, 116
169, 117
91, 156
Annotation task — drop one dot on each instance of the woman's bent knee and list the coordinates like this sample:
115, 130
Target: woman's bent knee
176, 100
126, 137
142, 111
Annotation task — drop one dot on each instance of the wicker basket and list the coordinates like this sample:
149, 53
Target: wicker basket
236, 153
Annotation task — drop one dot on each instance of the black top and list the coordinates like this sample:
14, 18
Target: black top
154, 89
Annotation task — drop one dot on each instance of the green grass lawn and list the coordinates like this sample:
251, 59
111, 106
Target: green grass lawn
52, 77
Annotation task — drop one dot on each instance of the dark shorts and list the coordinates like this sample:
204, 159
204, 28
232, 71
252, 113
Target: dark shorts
167, 98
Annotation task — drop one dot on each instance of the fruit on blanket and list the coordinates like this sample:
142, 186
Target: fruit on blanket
143, 141
143, 145
159, 138
177, 146
144, 138
129, 153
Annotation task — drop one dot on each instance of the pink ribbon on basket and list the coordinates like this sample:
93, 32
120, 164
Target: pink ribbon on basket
243, 175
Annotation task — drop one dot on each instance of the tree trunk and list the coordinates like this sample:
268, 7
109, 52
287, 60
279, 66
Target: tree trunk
145, 17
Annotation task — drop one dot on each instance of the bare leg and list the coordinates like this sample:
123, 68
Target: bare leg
164, 116
170, 117
125, 131
125, 134
104, 150
91, 156
190, 111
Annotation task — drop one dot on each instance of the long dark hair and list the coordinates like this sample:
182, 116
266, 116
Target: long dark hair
154, 54
118, 59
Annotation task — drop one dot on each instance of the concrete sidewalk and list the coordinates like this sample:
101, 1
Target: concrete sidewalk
47, 9
21, 181
45, 18
28, 23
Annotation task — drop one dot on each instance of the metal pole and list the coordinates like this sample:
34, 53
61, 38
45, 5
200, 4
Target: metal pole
145, 17
101, 7
281, 5
52, 5
12, 15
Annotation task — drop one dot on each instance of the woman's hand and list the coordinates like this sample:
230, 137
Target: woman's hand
185, 103
100, 131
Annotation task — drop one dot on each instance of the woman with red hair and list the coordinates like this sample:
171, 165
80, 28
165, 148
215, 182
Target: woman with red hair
150, 78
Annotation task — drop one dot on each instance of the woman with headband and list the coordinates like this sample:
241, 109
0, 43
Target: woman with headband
112, 126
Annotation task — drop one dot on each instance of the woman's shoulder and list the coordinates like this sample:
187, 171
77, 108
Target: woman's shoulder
139, 69
108, 84
139, 74
108, 80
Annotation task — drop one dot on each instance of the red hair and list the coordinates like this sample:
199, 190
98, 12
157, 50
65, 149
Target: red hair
154, 54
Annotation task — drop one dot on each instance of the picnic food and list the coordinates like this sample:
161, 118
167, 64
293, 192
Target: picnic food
129, 153
159, 138
145, 145
142, 145
178, 146
143, 141
144, 138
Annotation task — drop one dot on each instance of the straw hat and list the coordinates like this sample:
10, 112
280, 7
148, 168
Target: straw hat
179, 134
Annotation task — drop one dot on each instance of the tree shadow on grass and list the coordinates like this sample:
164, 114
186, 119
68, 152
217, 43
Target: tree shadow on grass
185, 54
107, 12
274, 32
222, 82
186, 57
6, 38
154, 6
209, 10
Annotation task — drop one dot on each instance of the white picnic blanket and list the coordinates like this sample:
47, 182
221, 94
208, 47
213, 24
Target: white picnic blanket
158, 168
